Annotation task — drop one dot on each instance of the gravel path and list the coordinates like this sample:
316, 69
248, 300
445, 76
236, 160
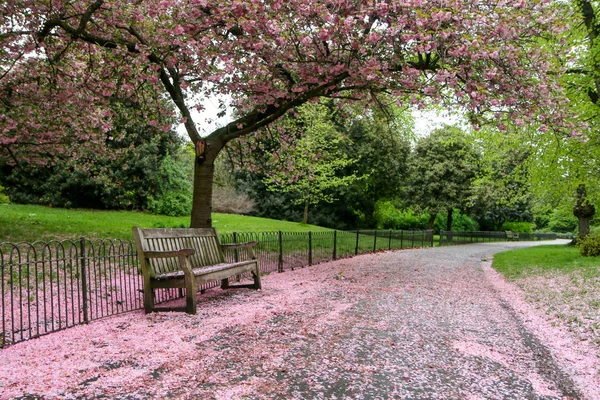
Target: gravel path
419, 324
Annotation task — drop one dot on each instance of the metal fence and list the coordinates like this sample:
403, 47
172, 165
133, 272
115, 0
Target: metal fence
50, 286
449, 238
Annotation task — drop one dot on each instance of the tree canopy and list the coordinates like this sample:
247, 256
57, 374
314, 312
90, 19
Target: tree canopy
63, 61
310, 168
442, 169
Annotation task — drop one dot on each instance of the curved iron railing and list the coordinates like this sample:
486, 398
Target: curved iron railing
449, 238
49, 286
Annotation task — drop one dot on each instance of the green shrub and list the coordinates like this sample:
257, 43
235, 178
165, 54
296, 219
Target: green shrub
562, 220
408, 220
521, 227
589, 246
3, 198
460, 222
387, 216
173, 204
542, 219
174, 197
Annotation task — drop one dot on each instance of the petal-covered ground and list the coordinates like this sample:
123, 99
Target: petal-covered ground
419, 324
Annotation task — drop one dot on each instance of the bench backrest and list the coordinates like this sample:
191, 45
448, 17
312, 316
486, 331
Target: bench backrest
205, 241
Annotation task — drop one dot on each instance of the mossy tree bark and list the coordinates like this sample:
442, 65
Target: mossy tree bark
584, 211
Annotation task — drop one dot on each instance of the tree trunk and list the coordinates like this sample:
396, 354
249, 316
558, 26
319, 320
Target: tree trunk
202, 198
584, 227
449, 220
584, 211
305, 221
431, 220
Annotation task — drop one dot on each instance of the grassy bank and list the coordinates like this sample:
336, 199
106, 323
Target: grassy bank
30, 223
539, 260
559, 282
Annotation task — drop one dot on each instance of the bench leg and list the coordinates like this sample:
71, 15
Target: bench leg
225, 283
256, 277
148, 299
190, 296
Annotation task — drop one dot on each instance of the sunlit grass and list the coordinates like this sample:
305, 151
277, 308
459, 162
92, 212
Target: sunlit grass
30, 223
515, 264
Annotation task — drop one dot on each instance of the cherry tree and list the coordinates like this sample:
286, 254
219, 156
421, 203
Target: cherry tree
268, 56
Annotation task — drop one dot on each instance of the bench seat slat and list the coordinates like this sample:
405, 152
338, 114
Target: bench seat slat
198, 272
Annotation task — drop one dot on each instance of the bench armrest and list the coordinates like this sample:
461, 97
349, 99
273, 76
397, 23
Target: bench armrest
169, 254
239, 245
247, 245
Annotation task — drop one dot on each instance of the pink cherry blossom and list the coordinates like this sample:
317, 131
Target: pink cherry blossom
267, 57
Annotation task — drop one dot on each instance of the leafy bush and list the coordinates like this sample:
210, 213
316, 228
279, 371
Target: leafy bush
173, 204
387, 216
589, 246
542, 219
123, 176
562, 220
174, 187
522, 227
3, 198
460, 222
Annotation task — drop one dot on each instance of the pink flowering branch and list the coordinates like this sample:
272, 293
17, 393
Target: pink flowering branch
272, 56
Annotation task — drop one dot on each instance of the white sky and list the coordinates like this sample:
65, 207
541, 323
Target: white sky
425, 120
429, 120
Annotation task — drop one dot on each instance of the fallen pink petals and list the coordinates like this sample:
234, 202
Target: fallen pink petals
421, 324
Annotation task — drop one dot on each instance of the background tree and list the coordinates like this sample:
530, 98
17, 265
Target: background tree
442, 168
378, 141
573, 159
122, 172
269, 57
502, 189
310, 168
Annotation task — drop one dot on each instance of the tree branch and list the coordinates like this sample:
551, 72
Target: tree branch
257, 119
88, 14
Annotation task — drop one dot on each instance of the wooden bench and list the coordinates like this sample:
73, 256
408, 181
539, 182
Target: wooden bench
512, 235
187, 258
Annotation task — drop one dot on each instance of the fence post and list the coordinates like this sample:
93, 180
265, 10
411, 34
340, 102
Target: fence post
236, 254
423, 239
412, 246
310, 248
334, 245
401, 239
431, 236
280, 264
356, 247
441, 237
375, 241
390, 241
83, 280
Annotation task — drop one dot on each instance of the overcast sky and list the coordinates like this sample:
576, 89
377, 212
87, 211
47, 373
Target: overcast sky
425, 120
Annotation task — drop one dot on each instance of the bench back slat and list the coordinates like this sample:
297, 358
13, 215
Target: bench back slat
205, 241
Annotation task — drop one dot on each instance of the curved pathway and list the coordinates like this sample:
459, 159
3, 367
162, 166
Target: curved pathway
419, 324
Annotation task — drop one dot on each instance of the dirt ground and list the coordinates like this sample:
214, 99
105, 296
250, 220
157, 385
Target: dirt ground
419, 324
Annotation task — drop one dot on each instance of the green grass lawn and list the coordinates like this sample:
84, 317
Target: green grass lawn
519, 263
30, 223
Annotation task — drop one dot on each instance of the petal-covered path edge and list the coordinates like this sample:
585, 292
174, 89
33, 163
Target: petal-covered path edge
577, 357
421, 324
